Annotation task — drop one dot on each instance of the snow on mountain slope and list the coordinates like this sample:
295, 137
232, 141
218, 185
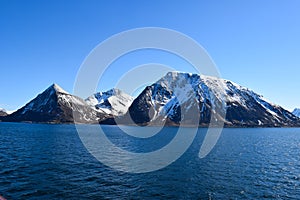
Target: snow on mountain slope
49, 98
113, 102
55, 105
296, 112
57, 88
164, 100
177, 98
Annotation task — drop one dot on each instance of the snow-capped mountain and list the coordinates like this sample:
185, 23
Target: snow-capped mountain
114, 102
296, 112
55, 105
177, 92
177, 98
3, 112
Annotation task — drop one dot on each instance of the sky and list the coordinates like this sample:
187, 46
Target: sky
253, 43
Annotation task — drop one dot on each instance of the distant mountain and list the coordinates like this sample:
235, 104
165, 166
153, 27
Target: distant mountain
296, 112
114, 102
2, 112
245, 108
55, 105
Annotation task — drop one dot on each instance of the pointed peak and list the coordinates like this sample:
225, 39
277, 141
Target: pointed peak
57, 88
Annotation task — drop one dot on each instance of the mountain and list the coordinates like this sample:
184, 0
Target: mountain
113, 102
2, 112
177, 98
296, 112
177, 93
55, 105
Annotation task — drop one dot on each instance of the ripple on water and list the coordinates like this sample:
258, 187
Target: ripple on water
49, 162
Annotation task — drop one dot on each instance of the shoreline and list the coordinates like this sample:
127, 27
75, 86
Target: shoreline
148, 125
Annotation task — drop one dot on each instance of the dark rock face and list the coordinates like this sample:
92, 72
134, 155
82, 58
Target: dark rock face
212, 97
55, 105
141, 110
177, 98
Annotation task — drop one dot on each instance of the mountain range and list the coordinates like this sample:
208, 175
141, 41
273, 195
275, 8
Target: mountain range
177, 98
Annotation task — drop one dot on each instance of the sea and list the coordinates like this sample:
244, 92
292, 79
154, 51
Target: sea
50, 161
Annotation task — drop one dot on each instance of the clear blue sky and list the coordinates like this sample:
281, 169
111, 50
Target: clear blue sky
254, 43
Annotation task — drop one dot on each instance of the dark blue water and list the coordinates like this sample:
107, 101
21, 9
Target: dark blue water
39, 161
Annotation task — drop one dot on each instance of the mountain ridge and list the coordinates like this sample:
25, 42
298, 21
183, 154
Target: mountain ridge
177, 98
243, 106
55, 105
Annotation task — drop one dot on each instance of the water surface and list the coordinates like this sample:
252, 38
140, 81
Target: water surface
40, 161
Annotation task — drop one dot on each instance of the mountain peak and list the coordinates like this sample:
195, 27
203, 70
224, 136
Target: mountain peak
163, 99
174, 74
113, 91
113, 101
296, 112
2, 112
57, 88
